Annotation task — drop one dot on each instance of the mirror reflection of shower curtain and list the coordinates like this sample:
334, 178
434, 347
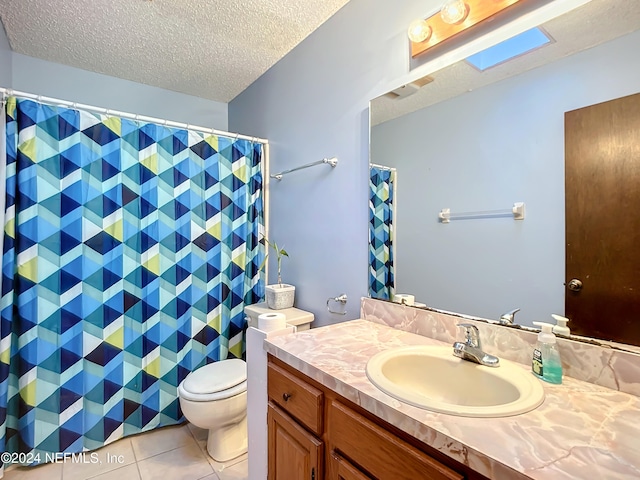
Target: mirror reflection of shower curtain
382, 204
3, 162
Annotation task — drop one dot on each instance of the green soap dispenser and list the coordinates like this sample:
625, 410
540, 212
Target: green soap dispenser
546, 363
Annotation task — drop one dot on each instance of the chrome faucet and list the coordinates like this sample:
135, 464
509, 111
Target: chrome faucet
471, 348
509, 317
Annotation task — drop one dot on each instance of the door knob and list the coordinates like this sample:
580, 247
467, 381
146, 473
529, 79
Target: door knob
574, 285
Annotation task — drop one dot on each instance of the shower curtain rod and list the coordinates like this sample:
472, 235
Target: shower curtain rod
133, 116
382, 167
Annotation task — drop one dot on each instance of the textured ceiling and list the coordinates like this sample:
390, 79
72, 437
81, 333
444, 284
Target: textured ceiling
592, 24
208, 48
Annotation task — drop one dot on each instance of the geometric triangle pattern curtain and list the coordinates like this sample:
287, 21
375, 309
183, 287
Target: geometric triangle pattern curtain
130, 250
381, 210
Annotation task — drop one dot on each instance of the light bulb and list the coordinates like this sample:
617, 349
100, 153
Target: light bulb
453, 11
419, 31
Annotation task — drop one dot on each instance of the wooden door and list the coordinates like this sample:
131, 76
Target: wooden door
294, 454
341, 469
602, 194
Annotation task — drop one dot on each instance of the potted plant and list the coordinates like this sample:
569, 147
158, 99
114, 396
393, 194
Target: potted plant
280, 295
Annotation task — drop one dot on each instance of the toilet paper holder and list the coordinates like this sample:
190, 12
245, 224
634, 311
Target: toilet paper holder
339, 299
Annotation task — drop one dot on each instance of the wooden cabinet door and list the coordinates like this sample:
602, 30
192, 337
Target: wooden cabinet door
341, 469
294, 454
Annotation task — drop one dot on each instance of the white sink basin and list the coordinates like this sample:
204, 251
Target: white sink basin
432, 378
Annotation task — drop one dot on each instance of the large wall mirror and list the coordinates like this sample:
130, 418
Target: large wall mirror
481, 141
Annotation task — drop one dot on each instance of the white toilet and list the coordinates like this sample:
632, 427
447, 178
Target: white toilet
214, 397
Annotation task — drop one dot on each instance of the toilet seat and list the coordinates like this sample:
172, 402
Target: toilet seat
215, 381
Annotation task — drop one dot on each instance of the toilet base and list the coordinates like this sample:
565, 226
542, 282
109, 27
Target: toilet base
227, 443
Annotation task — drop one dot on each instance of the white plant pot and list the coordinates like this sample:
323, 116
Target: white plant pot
280, 296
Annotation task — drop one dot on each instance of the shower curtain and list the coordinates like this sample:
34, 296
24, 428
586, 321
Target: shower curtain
130, 250
381, 211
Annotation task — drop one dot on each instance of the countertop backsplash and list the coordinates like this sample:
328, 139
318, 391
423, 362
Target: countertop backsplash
600, 365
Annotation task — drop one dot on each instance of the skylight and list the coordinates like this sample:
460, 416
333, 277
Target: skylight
513, 47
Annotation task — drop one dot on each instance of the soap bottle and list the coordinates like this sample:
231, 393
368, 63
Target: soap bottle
546, 363
561, 325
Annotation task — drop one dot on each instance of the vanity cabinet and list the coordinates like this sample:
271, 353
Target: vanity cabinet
381, 453
343, 470
295, 421
293, 452
297, 397
316, 434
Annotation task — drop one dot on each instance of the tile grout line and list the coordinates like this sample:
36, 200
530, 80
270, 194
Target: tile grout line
203, 451
192, 434
114, 469
162, 453
135, 457
216, 475
206, 458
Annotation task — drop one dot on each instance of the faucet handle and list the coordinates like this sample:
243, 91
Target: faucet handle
509, 317
472, 334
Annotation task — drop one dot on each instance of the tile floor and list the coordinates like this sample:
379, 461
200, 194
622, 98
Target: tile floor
170, 453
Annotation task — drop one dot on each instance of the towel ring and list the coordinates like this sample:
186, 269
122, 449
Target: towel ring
339, 299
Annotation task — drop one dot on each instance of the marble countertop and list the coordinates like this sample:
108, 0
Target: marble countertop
581, 430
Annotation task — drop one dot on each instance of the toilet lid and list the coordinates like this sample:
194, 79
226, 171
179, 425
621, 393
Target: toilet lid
238, 390
216, 377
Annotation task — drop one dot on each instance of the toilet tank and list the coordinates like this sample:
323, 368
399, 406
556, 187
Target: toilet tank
299, 318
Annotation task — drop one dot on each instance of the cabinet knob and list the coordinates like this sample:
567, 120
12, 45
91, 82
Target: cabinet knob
286, 396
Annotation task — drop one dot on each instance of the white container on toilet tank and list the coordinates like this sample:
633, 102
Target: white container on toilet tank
280, 296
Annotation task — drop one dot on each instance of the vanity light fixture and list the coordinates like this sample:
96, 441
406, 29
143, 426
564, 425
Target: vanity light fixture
419, 31
454, 17
454, 11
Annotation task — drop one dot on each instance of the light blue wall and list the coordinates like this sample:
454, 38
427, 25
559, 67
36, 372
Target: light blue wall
41, 77
5, 59
314, 104
486, 150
